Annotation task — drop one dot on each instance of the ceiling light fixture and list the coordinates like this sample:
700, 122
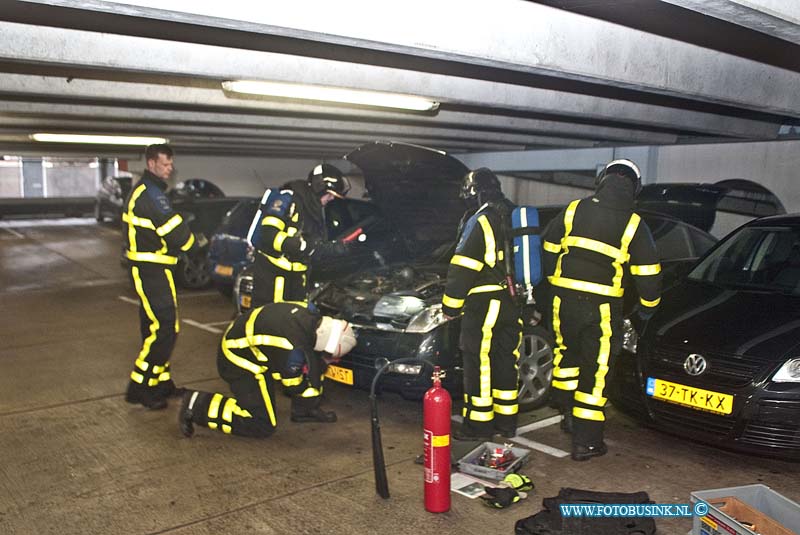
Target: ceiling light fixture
97, 140
331, 94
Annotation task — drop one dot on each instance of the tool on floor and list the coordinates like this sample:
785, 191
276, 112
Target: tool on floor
436, 411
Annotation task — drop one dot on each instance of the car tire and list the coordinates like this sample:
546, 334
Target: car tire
192, 272
535, 367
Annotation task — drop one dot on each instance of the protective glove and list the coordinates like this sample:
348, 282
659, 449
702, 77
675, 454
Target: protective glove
501, 497
518, 482
200, 239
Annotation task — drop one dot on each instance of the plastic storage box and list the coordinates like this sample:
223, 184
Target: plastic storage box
770, 512
469, 463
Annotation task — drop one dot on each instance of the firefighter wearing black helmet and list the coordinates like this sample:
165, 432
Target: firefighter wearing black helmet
591, 248
291, 234
491, 326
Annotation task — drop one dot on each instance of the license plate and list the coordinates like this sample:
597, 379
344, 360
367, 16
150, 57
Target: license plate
339, 374
225, 271
689, 396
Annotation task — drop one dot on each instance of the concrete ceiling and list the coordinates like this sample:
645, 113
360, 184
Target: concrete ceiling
509, 74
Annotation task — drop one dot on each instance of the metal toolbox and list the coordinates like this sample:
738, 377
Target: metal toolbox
469, 463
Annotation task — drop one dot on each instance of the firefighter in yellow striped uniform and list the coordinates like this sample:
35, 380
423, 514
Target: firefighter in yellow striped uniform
154, 237
491, 326
590, 249
292, 230
257, 351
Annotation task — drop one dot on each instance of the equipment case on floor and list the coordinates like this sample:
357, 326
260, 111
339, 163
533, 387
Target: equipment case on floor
731, 509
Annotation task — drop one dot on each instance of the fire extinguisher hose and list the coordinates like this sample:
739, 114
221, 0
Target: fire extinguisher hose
378, 463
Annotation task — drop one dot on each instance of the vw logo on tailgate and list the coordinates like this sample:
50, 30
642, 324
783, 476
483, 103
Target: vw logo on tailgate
695, 364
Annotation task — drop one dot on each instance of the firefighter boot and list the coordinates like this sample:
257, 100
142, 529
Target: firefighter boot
584, 453
150, 397
185, 415
194, 410
308, 410
566, 422
167, 389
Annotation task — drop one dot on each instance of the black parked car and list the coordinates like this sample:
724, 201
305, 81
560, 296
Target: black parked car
720, 360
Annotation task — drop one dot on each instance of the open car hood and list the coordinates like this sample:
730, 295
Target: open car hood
416, 188
697, 204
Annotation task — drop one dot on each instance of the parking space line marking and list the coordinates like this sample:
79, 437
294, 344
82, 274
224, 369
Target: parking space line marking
546, 422
128, 299
226, 322
14, 232
544, 448
202, 326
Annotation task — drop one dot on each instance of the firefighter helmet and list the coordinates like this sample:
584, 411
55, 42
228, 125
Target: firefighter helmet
326, 178
622, 167
335, 337
480, 181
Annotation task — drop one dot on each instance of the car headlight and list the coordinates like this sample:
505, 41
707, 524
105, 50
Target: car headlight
789, 372
427, 320
630, 338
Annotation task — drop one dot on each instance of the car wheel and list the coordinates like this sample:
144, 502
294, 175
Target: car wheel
192, 272
535, 367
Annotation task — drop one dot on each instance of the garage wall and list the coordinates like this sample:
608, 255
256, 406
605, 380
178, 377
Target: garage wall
522, 191
10, 183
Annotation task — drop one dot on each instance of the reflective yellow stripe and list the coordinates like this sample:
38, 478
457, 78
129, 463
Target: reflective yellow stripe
155, 258
310, 392
490, 255
589, 399
625, 243
141, 364
280, 284
569, 216
272, 221
479, 416
452, 303
277, 243
213, 407
505, 395
262, 384
592, 245
486, 346
138, 221
164, 376
170, 225
647, 303
189, 242
480, 402
586, 286
157, 369
154, 324
285, 264
467, 262
171, 281
292, 381
227, 410
565, 385
507, 410
485, 288
243, 362
137, 377
566, 373
588, 414
558, 350
131, 227
551, 247
646, 269
604, 352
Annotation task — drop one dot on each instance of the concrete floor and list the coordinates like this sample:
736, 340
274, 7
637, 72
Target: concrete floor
77, 459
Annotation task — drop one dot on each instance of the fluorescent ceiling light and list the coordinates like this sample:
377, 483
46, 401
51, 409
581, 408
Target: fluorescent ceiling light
102, 140
331, 94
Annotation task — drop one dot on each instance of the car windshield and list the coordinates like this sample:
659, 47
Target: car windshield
759, 258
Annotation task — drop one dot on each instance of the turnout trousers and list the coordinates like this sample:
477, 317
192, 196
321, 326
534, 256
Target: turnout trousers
158, 324
272, 284
491, 331
588, 336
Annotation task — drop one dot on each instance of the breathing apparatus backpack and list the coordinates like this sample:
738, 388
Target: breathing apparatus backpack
527, 246
275, 201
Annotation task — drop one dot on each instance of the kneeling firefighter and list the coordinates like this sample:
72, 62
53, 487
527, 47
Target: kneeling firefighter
491, 327
589, 249
256, 352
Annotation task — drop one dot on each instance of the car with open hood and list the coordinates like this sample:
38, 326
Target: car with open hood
719, 362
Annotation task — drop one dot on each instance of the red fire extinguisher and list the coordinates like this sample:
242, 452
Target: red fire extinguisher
436, 426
